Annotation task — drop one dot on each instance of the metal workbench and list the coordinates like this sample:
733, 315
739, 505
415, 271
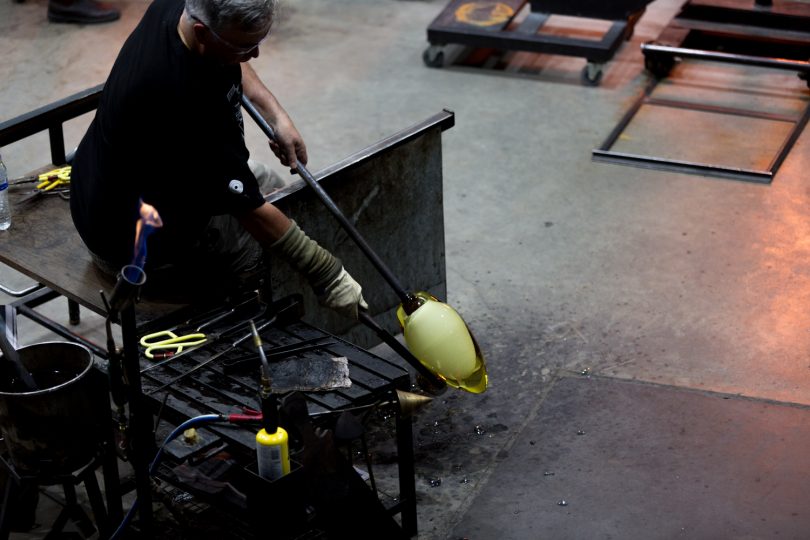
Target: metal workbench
43, 244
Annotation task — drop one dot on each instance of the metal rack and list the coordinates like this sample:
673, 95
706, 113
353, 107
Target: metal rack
772, 35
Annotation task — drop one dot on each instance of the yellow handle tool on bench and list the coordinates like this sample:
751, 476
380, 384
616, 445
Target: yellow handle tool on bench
170, 340
56, 177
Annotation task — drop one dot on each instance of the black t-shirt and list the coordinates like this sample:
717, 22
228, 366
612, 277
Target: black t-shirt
169, 131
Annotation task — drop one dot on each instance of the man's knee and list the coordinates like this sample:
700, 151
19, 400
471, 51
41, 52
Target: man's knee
269, 180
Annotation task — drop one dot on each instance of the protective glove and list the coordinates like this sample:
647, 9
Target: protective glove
344, 295
334, 286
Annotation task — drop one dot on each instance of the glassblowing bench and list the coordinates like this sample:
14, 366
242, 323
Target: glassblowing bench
43, 244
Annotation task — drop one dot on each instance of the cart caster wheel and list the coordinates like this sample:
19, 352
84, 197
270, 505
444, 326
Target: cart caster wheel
592, 74
659, 66
433, 56
806, 78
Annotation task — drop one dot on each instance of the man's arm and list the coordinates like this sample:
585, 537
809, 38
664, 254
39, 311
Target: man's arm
334, 286
289, 145
266, 224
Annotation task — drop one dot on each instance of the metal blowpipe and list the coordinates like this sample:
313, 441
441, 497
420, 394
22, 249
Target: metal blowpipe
409, 301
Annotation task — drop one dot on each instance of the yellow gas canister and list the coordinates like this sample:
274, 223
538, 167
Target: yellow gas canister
273, 454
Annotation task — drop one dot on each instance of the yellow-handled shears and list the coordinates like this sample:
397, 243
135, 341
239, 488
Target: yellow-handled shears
170, 340
51, 179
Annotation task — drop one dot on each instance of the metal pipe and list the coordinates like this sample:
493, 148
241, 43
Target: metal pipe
142, 443
406, 298
431, 383
60, 330
749, 60
21, 292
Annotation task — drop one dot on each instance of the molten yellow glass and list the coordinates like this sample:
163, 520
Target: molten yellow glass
440, 339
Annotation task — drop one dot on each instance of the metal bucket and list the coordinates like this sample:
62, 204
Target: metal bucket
54, 430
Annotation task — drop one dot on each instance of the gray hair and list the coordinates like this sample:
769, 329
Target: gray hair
247, 15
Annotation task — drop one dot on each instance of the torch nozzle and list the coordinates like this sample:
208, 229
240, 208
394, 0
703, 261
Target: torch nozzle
126, 289
268, 399
258, 342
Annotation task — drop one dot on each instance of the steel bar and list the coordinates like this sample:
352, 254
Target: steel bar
217, 356
661, 164
628, 116
60, 330
253, 361
791, 140
717, 109
21, 292
747, 30
143, 436
434, 384
55, 113
749, 60
347, 225
407, 474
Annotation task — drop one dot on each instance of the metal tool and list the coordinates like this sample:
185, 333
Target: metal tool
52, 179
213, 337
276, 353
170, 356
410, 302
13, 358
62, 173
429, 380
404, 296
168, 340
289, 309
55, 182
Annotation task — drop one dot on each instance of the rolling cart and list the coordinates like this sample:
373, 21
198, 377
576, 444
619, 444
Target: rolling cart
766, 33
492, 24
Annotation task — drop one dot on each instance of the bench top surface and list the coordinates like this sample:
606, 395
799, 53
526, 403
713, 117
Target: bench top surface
43, 244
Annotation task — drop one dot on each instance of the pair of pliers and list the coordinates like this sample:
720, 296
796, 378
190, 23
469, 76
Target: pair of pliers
153, 342
48, 184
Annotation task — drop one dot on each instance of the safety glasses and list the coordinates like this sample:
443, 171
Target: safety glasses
235, 49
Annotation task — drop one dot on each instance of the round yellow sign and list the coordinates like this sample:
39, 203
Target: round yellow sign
484, 13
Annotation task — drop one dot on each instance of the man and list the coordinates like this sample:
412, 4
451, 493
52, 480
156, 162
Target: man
169, 132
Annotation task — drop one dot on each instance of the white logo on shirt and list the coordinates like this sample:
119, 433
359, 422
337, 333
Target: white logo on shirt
236, 186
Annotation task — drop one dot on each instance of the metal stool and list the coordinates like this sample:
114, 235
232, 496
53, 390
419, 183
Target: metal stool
71, 510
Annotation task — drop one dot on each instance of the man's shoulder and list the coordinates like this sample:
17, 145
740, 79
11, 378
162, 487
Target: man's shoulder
151, 58
166, 7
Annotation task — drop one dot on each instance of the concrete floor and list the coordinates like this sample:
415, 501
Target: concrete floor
559, 264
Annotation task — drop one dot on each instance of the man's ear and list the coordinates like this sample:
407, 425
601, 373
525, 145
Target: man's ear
199, 30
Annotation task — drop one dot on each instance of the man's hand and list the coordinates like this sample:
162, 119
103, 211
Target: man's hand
289, 146
334, 286
344, 295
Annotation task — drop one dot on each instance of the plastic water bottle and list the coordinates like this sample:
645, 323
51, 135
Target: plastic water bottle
5, 210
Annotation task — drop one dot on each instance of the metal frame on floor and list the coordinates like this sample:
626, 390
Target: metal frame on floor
605, 153
771, 35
